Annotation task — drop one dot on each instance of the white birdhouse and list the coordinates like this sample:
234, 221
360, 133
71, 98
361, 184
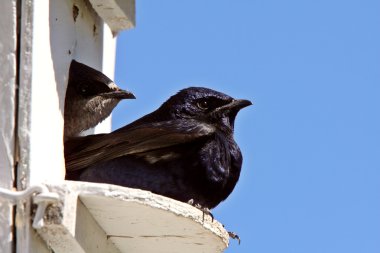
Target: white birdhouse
38, 41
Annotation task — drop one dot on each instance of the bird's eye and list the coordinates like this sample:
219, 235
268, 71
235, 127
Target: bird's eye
84, 89
203, 105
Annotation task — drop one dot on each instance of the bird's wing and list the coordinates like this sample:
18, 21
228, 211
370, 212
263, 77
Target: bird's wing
85, 151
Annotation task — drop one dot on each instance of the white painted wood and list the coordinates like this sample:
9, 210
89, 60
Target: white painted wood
118, 14
23, 226
8, 44
131, 220
89, 234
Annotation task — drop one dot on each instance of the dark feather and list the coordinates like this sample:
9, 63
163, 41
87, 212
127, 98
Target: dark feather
139, 139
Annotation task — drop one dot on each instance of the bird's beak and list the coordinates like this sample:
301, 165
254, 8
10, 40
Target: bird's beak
119, 94
235, 105
239, 104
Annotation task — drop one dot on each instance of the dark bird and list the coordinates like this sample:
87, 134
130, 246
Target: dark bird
90, 98
184, 150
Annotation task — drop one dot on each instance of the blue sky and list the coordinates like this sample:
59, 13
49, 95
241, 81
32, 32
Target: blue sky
310, 180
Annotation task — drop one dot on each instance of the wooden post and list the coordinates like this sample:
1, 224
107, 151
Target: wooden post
8, 47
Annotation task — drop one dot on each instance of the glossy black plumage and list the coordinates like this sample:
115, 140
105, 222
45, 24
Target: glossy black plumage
90, 98
184, 150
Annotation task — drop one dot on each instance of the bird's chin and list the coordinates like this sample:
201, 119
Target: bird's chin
228, 124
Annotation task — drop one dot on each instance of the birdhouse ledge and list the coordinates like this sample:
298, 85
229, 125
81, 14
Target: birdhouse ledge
93, 217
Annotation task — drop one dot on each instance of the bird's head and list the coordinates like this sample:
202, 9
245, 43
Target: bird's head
87, 83
206, 105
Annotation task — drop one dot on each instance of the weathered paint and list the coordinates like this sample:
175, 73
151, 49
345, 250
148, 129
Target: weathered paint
8, 44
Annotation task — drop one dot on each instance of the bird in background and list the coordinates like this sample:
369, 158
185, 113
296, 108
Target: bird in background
90, 98
184, 150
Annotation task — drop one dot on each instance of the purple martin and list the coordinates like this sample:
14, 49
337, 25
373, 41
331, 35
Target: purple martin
90, 98
184, 150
